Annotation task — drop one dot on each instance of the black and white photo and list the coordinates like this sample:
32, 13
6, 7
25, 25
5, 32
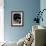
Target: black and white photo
17, 18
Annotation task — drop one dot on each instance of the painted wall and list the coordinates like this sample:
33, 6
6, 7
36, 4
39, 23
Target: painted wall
43, 6
30, 7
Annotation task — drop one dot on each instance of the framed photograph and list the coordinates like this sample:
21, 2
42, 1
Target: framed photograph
17, 18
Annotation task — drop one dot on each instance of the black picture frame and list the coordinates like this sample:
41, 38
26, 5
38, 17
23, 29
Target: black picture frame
17, 18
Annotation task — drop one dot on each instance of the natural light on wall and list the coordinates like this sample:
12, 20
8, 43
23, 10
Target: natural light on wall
1, 20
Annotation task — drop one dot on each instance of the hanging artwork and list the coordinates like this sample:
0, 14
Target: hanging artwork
17, 18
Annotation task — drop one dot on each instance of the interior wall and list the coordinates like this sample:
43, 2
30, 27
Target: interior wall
30, 7
43, 6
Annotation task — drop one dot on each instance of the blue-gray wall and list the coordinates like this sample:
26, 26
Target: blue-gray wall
30, 7
43, 6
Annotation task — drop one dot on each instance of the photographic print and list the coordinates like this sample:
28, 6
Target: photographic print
17, 18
